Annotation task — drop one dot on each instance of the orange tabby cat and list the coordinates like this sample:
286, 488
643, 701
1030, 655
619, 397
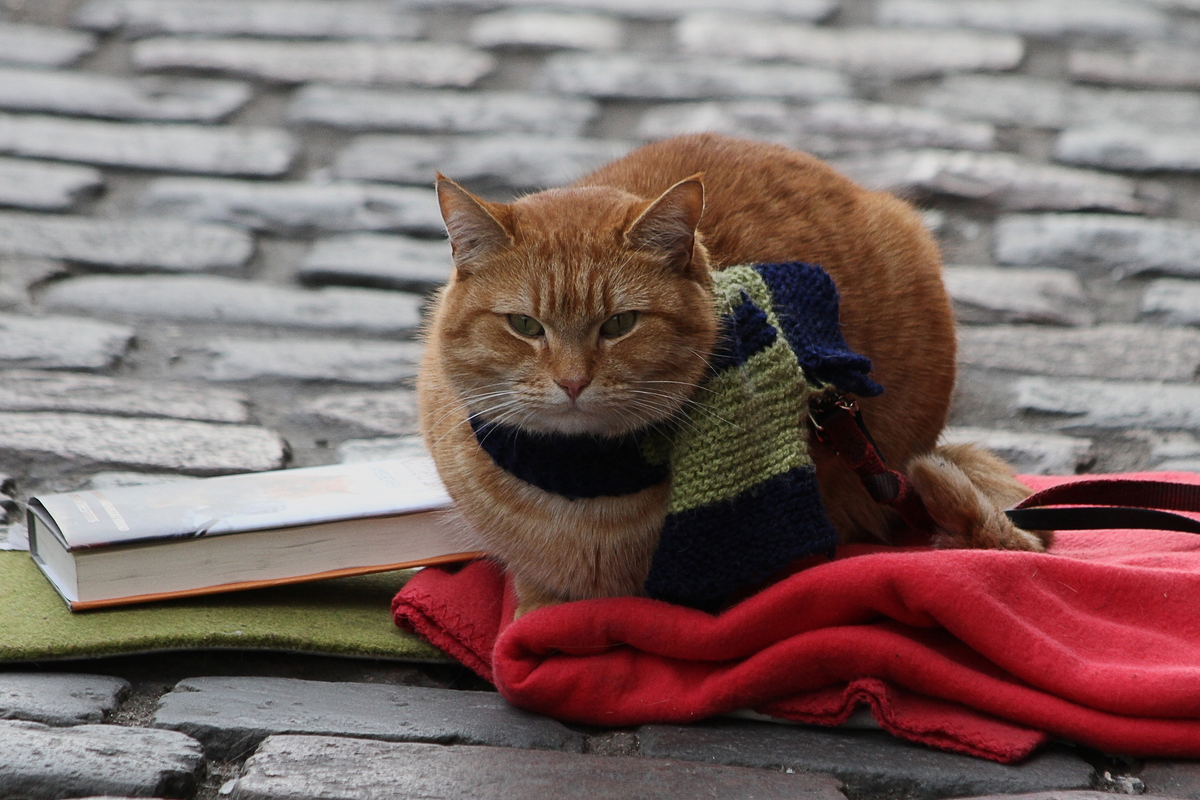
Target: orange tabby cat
588, 309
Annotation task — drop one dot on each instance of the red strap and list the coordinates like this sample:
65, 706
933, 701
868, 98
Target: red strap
838, 424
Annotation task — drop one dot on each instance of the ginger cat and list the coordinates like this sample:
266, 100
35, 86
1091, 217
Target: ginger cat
588, 310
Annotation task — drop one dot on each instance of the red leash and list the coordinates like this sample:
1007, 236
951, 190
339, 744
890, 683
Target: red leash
837, 423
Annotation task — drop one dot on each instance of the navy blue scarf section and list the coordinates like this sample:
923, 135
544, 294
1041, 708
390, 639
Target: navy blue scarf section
572, 466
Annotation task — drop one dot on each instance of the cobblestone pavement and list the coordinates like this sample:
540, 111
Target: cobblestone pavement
216, 229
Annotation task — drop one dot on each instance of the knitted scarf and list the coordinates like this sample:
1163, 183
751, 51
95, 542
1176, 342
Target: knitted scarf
744, 499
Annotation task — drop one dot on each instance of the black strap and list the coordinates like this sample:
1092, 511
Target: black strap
1114, 503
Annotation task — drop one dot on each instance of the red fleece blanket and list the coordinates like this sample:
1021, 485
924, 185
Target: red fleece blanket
984, 652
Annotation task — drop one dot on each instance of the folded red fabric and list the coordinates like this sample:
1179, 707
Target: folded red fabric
983, 652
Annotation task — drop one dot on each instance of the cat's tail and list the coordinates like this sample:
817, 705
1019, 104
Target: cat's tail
965, 488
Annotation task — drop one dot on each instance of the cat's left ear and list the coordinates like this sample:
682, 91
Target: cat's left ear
669, 223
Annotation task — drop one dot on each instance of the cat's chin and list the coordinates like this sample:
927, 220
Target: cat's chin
584, 423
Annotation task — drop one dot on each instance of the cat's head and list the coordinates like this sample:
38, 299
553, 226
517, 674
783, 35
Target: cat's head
577, 310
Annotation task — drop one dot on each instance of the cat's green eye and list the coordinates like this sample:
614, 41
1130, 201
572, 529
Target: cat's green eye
526, 326
619, 324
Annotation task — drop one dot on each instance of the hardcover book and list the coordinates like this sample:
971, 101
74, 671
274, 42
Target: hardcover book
141, 543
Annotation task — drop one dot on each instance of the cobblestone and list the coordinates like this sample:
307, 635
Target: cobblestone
827, 128
231, 716
171, 148
40, 762
384, 448
45, 187
290, 18
1159, 64
1172, 451
894, 54
522, 162
1128, 146
385, 262
148, 98
391, 413
646, 78
870, 764
59, 699
1172, 779
239, 359
27, 390
1112, 404
61, 342
812, 10
1042, 18
1006, 181
441, 111
91, 440
38, 46
546, 30
415, 63
304, 767
1029, 453
296, 207
1010, 294
1130, 244
239, 302
1173, 302
1120, 352
125, 243
1040, 103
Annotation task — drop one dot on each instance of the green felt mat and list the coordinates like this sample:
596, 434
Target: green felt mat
343, 616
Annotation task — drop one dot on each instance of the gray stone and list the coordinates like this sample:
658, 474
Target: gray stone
38, 46
870, 764
61, 342
43, 763
353, 451
415, 63
827, 128
1112, 404
1172, 779
1130, 244
522, 162
1157, 64
538, 29
1043, 18
353, 361
203, 448
1011, 294
385, 262
172, 148
302, 767
392, 413
1079, 794
894, 54
441, 111
27, 390
295, 207
20, 274
59, 698
1028, 453
214, 299
1172, 302
284, 18
812, 10
1019, 100
698, 78
91, 95
1128, 146
1117, 352
115, 479
231, 716
1007, 181
45, 187
125, 244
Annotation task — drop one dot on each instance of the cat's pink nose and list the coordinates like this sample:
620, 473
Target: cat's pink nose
574, 386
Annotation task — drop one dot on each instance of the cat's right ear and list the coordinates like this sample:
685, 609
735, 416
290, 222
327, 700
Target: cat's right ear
669, 223
473, 225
